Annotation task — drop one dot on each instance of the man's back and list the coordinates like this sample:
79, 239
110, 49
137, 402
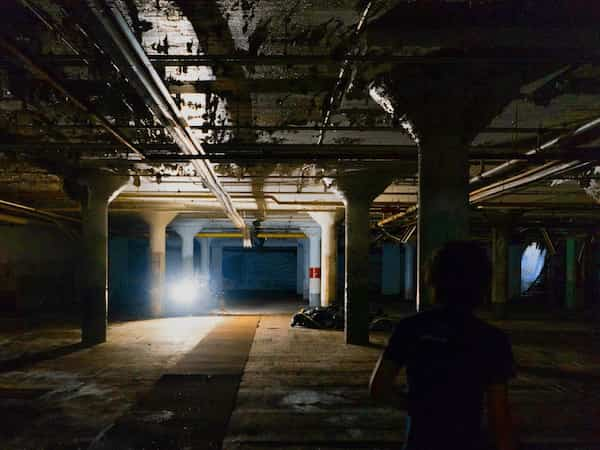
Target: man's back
451, 357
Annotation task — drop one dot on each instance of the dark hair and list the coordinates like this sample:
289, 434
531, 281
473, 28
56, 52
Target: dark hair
461, 274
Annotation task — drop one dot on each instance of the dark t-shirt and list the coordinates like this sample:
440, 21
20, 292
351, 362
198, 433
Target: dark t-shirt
450, 358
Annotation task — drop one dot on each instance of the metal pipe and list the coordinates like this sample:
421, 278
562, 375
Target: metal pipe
141, 67
36, 212
342, 82
577, 137
560, 141
42, 73
523, 179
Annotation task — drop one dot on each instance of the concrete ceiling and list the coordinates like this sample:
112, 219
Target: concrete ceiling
278, 94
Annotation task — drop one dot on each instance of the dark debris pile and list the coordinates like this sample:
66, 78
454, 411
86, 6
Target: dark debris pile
332, 318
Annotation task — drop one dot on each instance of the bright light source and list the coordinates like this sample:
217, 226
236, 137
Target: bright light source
532, 264
184, 291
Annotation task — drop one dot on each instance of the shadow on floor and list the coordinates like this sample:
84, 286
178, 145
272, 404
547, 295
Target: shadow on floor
29, 359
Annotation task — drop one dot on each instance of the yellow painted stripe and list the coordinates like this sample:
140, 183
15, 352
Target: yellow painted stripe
260, 235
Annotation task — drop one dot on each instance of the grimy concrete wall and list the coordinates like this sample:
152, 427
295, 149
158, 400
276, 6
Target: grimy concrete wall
272, 269
38, 269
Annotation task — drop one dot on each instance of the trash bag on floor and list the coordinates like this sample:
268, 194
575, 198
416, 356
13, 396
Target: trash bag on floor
332, 318
321, 317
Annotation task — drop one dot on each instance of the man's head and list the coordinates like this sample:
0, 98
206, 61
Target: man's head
461, 274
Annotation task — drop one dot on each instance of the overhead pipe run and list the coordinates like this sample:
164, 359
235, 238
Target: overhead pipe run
561, 141
581, 135
163, 105
36, 213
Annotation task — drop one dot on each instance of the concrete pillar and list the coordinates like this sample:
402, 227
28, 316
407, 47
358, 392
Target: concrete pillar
101, 190
158, 221
571, 274
500, 241
216, 273
118, 267
204, 270
515, 253
391, 269
443, 204
410, 275
187, 231
299, 268
306, 279
357, 271
328, 222
314, 269
358, 190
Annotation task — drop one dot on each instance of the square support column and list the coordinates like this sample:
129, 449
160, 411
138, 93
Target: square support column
500, 242
204, 270
101, 190
515, 253
157, 221
359, 189
314, 270
571, 301
187, 230
299, 268
410, 275
328, 222
391, 269
443, 204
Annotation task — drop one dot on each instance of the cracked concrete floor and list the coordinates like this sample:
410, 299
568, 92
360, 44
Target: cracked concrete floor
304, 389
301, 389
65, 402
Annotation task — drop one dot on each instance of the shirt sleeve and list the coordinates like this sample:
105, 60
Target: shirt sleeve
399, 345
503, 366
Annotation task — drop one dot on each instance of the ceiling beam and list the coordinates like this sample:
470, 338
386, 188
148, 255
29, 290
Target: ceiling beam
296, 128
43, 73
127, 51
271, 85
210, 60
303, 152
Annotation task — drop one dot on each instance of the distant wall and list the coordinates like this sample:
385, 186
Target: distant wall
38, 269
260, 269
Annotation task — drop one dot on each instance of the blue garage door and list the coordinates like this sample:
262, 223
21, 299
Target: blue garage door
259, 269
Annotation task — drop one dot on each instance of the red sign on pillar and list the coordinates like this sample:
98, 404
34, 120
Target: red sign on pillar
314, 272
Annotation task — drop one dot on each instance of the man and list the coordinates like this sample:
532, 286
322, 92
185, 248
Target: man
453, 361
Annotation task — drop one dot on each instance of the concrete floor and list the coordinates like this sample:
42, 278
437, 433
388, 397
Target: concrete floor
64, 402
300, 389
